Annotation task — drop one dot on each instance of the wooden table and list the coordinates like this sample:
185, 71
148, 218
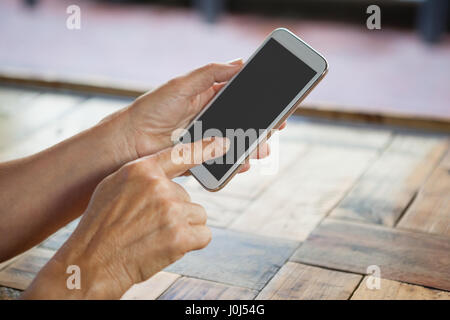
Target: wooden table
345, 198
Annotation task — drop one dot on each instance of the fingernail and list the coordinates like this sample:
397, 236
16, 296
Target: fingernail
236, 62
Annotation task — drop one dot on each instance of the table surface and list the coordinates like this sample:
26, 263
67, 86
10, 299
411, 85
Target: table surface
334, 207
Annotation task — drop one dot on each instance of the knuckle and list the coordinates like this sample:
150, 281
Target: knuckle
177, 242
176, 82
157, 185
170, 206
184, 195
207, 237
211, 65
201, 212
176, 233
136, 169
169, 210
204, 216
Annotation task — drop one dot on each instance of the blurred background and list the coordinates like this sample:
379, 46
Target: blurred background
402, 68
364, 164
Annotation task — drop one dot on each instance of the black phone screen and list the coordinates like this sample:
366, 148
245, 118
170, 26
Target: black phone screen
260, 92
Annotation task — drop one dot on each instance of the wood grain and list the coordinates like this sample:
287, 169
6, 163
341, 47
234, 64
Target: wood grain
301, 197
296, 281
319, 164
55, 241
236, 259
401, 255
21, 273
251, 184
9, 293
387, 188
196, 289
72, 225
430, 212
336, 113
336, 135
41, 111
6, 263
85, 115
221, 209
394, 290
152, 288
330, 112
13, 100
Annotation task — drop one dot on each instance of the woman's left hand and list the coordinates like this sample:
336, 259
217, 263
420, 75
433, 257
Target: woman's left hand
153, 117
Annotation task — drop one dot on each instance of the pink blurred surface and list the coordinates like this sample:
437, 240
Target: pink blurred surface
388, 70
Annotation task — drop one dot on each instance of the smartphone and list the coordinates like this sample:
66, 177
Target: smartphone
268, 88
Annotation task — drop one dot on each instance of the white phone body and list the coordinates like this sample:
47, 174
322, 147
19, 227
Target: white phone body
303, 52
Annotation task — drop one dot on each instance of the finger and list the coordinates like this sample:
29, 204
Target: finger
207, 95
218, 86
200, 237
195, 213
283, 125
182, 157
181, 192
186, 174
261, 152
203, 78
238, 61
245, 167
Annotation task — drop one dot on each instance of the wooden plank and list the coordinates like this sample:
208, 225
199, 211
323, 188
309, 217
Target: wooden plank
331, 134
293, 205
387, 188
9, 293
13, 100
221, 209
44, 109
72, 225
292, 145
251, 184
55, 241
197, 289
152, 288
394, 290
296, 281
21, 273
84, 116
401, 255
430, 212
6, 263
335, 113
236, 259
85, 85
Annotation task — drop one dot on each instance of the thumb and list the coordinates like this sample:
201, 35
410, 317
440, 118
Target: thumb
182, 157
203, 78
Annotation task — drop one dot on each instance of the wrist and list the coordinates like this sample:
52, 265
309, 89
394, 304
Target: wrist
115, 134
85, 279
51, 284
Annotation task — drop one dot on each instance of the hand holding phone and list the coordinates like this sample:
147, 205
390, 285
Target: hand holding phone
276, 78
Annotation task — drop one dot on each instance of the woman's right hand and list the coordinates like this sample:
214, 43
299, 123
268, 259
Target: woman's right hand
138, 222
